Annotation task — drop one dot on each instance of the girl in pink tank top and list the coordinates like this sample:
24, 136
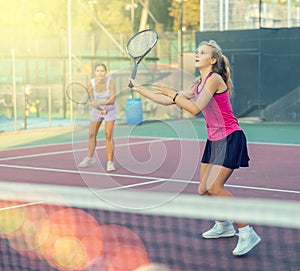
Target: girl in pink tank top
220, 120
226, 146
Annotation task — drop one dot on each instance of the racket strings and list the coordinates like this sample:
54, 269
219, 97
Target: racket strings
77, 93
140, 44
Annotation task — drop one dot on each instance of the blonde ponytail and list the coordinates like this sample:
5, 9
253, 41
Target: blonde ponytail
227, 75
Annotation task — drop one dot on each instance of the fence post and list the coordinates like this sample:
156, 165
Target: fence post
50, 106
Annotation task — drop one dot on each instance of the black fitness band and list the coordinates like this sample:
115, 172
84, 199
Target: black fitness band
175, 96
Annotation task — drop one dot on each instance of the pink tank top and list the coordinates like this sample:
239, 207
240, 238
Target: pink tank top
218, 114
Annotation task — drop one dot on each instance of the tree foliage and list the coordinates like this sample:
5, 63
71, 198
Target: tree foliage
40, 17
160, 10
113, 14
52, 16
26, 14
190, 14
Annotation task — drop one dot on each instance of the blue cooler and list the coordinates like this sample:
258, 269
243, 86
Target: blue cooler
134, 111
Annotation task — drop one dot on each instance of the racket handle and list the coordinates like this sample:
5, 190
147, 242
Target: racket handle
130, 85
133, 75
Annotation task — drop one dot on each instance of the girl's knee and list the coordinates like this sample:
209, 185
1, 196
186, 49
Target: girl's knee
108, 136
207, 188
92, 136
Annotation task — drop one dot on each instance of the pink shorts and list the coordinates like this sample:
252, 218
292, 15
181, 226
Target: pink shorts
111, 114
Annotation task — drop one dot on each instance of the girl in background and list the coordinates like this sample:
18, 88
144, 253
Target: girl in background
103, 94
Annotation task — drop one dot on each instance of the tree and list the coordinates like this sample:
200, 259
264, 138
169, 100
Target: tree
113, 15
160, 10
191, 11
32, 16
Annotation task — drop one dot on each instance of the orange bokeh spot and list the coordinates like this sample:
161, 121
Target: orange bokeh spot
12, 216
115, 236
153, 267
125, 258
71, 239
25, 239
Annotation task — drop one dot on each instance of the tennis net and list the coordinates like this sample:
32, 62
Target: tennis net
62, 228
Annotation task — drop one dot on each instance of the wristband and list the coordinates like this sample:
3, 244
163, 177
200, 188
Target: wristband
175, 96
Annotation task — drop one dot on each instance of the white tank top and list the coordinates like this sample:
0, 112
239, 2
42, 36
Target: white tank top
101, 96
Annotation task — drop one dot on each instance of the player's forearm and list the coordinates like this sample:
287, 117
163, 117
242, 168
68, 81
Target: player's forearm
155, 97
178, 98
186, 104
110, 101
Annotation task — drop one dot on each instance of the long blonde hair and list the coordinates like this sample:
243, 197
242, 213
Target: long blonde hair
222, 66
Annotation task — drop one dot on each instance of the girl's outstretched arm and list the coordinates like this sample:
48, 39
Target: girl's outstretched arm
153, 95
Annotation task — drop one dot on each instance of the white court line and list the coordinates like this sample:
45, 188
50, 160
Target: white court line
81, 172
249, 141
153, 179
79, 150
261, 188
153, 138
24, 205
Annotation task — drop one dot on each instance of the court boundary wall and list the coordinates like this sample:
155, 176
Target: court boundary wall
264, 65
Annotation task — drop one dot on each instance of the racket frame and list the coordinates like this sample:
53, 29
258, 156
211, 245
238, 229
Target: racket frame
86, 93
69, 87
137, 60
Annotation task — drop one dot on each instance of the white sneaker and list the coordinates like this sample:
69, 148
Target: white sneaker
220, 229
87, 162
110, 166
247, 240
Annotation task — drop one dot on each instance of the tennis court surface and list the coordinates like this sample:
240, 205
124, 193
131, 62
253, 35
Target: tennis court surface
148, 209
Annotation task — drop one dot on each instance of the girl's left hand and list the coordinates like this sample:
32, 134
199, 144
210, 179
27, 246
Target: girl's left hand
163, 89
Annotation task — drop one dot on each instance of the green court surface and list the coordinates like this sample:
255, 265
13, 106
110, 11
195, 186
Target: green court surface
188, 128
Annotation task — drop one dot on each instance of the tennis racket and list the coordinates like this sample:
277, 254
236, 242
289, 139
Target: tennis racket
79, 94
138, 46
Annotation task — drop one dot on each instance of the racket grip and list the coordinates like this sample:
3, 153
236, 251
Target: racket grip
133, 75
130, 85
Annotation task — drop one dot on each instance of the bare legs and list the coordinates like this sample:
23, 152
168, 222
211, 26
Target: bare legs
92, 141
109, 129
212, 181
